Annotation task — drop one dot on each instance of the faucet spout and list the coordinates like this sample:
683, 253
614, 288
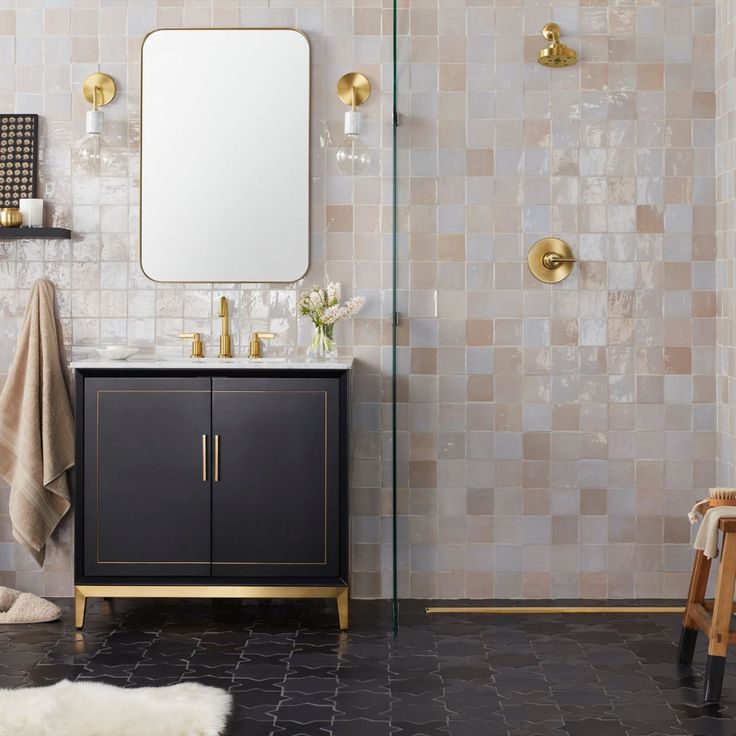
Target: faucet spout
225, 341
224, 314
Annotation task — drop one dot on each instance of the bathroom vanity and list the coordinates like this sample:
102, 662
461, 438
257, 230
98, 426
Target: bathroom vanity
211, 478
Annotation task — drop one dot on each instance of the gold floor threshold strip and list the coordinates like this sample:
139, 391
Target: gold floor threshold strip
554, 609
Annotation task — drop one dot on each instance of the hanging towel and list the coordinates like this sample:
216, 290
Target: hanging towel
37, 426
707, 537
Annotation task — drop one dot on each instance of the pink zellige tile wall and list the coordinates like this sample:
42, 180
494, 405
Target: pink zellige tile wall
555, 436
725, 230
551, 438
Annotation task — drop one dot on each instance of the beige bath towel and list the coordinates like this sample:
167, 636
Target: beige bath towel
37, 426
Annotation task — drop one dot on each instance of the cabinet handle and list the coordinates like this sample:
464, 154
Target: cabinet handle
217, 457
204, 457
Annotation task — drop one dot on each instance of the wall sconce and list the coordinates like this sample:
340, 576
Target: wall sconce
352, 156
98, 89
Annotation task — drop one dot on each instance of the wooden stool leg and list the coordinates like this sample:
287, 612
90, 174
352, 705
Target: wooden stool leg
721, 621
696, 594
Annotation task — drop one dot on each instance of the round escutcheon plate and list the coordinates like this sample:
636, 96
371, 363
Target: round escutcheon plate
551, 260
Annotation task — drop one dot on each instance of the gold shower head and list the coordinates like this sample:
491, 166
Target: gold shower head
556, 54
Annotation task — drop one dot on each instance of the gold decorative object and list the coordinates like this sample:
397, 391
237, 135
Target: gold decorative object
556, 54
353, 89
18, 158
551, 260
99, 89
10, 217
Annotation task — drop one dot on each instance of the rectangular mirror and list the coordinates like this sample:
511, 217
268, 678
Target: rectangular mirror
225, 155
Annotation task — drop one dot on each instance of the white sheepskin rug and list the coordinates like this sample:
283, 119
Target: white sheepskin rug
98, 709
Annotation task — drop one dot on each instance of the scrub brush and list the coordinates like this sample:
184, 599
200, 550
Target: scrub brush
722, 497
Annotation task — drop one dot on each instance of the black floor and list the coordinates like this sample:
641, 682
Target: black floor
291, 672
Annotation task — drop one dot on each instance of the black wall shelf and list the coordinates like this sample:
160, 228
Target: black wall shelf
34, 233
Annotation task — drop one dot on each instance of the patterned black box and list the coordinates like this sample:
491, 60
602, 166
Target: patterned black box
18, 158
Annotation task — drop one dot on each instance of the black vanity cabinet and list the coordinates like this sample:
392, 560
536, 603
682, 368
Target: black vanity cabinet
276, 480
219, 483
146, 497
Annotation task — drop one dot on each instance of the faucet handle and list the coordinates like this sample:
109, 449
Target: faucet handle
197, 347
255, 343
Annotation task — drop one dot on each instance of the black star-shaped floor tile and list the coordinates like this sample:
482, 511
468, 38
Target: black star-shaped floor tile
494, 725
594, 727
403, 728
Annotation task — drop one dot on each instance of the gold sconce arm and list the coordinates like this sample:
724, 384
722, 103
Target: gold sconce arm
99, 89
353, 89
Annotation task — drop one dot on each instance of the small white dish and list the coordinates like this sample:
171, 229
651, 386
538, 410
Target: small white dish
116, 352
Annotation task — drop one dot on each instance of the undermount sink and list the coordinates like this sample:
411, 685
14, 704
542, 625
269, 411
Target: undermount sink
239, 359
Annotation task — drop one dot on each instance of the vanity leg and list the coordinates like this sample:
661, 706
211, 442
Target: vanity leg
80, 607
342, 608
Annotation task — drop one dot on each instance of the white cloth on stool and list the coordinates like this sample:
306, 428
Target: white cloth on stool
707, 537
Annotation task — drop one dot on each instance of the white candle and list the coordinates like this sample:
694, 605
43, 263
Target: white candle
32, 211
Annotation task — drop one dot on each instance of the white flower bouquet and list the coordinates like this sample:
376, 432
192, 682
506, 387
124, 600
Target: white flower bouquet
322, 306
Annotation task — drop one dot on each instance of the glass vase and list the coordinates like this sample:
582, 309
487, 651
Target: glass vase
322, 346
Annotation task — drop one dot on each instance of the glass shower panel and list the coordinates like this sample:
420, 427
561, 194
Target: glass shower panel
399, 307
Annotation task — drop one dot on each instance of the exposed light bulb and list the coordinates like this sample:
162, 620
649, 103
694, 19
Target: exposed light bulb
93, 152
352, 156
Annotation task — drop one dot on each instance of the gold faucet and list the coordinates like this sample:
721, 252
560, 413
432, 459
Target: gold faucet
255, 343
225, 342
197, 347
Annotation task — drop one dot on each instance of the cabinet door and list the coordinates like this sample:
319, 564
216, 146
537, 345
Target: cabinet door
147, 476
276, 487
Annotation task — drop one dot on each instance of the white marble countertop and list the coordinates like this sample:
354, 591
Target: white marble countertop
136, 362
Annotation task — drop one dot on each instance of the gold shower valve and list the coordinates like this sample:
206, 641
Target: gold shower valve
551, 260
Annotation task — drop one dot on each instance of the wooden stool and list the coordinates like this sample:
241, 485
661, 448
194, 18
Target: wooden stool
711, 616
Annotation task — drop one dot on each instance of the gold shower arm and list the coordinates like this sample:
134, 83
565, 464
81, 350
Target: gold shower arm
551, 32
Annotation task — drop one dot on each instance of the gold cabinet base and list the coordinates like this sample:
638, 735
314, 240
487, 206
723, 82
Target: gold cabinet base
551, 260
82, 592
